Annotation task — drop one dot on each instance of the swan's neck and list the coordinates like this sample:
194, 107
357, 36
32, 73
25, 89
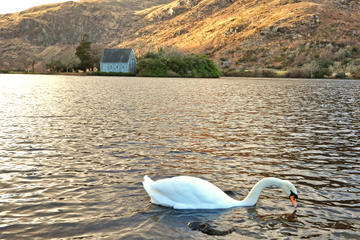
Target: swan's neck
254, 194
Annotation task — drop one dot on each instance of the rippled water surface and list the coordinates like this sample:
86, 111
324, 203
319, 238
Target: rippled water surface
74, 150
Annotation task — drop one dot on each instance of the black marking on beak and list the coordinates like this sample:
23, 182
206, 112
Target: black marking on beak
293, 194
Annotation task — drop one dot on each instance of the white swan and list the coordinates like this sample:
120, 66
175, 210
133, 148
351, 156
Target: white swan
185, 192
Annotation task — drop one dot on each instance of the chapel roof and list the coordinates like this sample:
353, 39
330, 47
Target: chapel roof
116, 55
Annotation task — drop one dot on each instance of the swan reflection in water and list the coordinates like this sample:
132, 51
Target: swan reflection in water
212, 221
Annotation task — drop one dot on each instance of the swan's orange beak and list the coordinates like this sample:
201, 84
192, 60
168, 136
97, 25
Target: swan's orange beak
293, 200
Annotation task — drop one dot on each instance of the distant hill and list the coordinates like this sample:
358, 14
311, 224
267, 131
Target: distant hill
242, 33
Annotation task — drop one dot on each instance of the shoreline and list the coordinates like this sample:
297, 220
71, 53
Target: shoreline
97, 74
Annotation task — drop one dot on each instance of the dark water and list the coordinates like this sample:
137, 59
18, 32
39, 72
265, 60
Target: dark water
74, 150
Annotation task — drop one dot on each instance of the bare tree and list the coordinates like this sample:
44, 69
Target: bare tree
25, 61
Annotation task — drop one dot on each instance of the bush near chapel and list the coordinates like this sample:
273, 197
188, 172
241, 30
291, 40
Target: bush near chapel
175, 64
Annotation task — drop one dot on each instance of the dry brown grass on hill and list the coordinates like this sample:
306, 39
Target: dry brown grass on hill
261, 33
242, 20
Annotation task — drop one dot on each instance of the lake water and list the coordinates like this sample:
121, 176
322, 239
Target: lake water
74, 150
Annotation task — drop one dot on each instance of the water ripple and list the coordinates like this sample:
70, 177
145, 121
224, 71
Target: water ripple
73, 151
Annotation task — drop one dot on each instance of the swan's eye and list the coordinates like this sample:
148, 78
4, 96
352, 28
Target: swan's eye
293, 194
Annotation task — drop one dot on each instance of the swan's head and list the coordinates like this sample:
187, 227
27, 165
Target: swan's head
290, 190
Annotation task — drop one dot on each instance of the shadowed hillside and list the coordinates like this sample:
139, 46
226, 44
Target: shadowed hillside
236, 34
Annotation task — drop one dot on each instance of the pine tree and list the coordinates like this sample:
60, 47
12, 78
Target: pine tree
83, 52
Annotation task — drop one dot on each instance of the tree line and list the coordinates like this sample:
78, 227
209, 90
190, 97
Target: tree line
166, 62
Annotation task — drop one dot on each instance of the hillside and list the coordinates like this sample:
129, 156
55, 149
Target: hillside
236, 34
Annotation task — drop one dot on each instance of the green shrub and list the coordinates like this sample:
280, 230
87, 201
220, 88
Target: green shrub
251, 73
325, 63
297, 73
340, 75
4, 71
305, 72
269, 73
152, 67
356, 74
175, 64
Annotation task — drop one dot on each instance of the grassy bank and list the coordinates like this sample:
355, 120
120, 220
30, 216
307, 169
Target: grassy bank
297, 72
261, 73
110, 74
317, 59
44, 73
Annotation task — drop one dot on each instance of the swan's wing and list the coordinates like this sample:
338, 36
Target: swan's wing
187, 192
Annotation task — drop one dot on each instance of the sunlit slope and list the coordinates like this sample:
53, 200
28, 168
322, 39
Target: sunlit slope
211, 24
226, 29
259, 32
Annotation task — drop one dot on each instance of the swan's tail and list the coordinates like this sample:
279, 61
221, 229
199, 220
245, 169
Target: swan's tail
156, 196
147, 184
